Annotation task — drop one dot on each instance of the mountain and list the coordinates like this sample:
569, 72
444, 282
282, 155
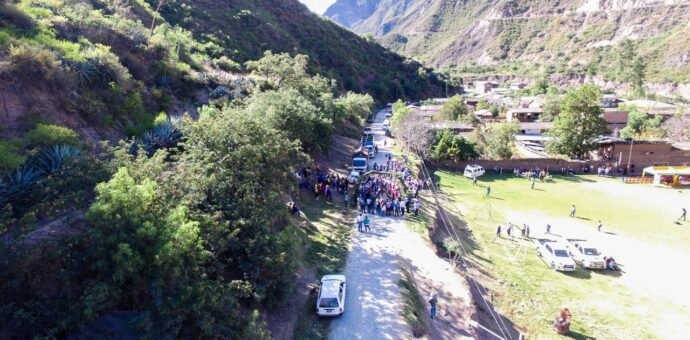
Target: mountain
96, 67
575, 36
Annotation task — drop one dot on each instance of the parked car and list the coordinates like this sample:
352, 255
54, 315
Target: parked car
370, 118
367, 131
386, 124
389, 114
474, 171
331, 300
555, 254
586, 254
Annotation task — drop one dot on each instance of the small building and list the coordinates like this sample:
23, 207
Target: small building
517, 86
524, 115
616, 120
535, 128
482, 87
531, 102
609, 101
641, 154
472, 101
456, 127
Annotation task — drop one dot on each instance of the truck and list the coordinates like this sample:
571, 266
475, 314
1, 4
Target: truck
555, 254
359, 160
586, 254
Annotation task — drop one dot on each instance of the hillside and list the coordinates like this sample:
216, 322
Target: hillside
520, 37
96, 67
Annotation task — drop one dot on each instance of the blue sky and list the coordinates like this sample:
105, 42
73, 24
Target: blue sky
318, 6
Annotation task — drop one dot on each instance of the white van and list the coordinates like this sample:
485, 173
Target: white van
474, 171
331, 300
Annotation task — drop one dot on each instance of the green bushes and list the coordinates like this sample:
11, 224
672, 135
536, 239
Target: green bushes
34, 63
10, 157
50, 134
12, 16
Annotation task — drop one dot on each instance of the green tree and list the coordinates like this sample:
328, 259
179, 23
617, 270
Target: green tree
552, 108
355, 105
578, 124
496, 141
453, 147
641, 125
400, 111
288, 111
454, 108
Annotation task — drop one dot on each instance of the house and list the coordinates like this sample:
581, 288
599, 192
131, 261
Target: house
531, 102
609, 101
482, 87
426, 111
517, 86
616, 120
524, 115
472, 102
642, 154
457, 127
535, 128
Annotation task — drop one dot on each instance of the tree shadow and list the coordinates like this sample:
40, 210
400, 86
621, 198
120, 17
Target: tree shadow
578, 336
580, 273
583, 218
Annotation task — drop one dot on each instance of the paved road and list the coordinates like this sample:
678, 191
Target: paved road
374, 304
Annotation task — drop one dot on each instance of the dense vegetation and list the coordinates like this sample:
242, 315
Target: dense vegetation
188, 227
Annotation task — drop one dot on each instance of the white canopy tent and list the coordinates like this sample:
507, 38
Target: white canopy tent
669, 175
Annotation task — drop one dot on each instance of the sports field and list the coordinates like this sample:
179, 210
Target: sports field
648, 299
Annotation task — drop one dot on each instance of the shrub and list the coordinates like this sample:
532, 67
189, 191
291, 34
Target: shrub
10, 157
226, 64
11, 15
49, 134
34, 63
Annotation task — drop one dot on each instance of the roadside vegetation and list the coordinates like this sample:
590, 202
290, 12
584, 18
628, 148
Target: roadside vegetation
414, 310
187, 226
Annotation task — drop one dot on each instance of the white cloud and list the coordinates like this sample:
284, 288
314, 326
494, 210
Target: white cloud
318, 6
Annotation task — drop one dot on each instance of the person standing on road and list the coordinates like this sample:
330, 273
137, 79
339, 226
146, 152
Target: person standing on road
346, 199
367, 223
572, 211
360, 222
548, 229
433, 301
683, 215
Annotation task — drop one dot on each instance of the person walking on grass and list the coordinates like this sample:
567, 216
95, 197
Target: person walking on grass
572, 211
488, 191
548, 229
599, 226
498, 231
474, 180
433, 300
534, 180
683, 215
367, 223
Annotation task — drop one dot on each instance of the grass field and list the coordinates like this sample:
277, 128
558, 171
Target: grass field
638, 225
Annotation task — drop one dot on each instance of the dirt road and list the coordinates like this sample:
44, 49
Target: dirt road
374, 304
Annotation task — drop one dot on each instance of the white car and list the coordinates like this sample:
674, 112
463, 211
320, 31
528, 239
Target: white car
586, 254
386, 123
555, 254
331, 300
474, 171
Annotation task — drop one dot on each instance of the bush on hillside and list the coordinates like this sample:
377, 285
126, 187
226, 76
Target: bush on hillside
12, 16
50, 134
10, 157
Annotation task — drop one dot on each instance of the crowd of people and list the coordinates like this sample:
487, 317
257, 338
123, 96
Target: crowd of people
384, 195
321, 183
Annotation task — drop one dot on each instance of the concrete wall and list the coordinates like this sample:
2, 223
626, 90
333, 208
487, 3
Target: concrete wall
550, 164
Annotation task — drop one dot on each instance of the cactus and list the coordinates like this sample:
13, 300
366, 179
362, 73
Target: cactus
55, 157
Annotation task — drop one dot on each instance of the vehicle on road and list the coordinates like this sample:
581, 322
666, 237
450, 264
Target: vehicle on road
331, 300
586, 254
474, 171
367, 130
355, 176
389, 114
386, 124
360, 159
370, 118
555, 254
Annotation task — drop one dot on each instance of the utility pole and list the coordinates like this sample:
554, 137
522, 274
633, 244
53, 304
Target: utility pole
632, 141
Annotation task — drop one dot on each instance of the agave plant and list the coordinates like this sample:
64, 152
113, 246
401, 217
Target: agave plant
164, 81
56, 156
86, 70
18, 182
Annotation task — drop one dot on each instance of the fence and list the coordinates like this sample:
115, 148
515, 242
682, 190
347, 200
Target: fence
548, 164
